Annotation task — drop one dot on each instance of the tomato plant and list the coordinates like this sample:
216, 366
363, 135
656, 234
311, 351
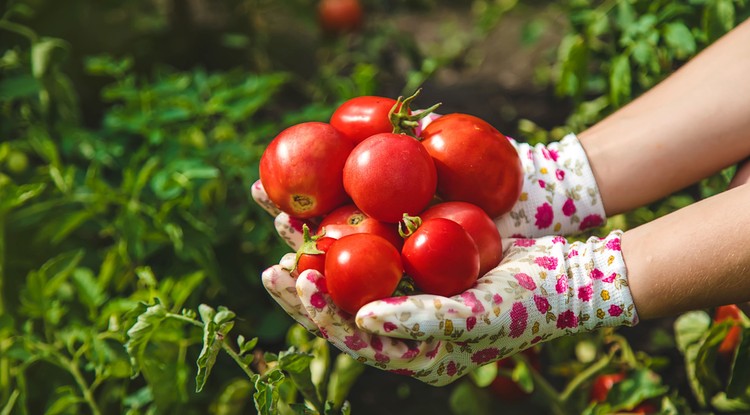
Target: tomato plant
733, 337
361, 268
480, 227
301, 169
388, 175
363, 116
441, 257
604, 383
504, 387
475, 163
340, 16
348, 219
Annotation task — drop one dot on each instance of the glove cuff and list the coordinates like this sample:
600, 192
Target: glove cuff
560, 195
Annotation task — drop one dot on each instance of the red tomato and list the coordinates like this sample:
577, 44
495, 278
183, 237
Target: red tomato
301, 169
480, 227
506, 388
348, 219
732, 340
340, 16
362, 117
475, 163
316, 261
441, 258
361, 268
602, 385
388, 175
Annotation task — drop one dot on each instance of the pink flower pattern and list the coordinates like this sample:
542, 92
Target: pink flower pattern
544, 216
525, 281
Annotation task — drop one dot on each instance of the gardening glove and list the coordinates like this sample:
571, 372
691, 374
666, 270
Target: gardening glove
543, 289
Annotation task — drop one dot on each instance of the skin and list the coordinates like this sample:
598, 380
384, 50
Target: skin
689, 127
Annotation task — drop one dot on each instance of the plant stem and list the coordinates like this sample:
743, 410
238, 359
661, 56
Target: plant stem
549, 392
585, 375
224, 345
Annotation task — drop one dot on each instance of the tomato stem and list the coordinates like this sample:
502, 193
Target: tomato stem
411, 223
402, 120
309, 245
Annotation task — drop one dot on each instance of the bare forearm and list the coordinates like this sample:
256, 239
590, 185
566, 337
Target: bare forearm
690, 126
696, 257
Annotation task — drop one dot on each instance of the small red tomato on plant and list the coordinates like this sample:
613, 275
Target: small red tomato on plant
478, 224
475, 163
340, 16
361, 268
301, 169
388, 175
440, 256
504, 387
348, 219
604, 383
732, 340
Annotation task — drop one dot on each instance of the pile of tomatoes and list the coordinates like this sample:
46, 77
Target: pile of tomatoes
386, 198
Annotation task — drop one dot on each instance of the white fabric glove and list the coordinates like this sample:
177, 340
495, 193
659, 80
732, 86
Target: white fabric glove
544, 288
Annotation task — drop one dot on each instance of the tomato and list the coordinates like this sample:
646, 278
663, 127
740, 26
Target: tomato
732, 339
475, 163
361, 268
340, 16
506, 388
313, 259
362, 117
441, 257
480, 227
348, 219
388, 175
301, 169
604, 383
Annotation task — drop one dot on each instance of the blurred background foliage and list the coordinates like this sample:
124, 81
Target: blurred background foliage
130, 133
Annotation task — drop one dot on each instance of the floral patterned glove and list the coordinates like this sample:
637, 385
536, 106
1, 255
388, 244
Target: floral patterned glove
559, 195
543, 289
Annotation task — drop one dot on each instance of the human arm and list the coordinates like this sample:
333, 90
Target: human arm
691, 125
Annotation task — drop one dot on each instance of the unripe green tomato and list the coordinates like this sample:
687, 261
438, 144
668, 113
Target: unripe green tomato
17, 162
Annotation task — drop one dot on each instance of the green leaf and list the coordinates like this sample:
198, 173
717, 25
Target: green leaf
216, 326
680, 39
706, 358
266, 396
345, 373
41, 54
89, 291
739, 379
572, 59
718, 18
523, 377
466, 399
19, 86
234, 398
642, 384
619, 80
690, 328
484, 375
140, 333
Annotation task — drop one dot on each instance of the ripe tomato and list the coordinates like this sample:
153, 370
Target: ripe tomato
362, 117
732, 340
339, 16
348, 219
475, 163
506, 388
361, 268
388, 175
480, 227
604, 383
441, 258
301, 169
312, 254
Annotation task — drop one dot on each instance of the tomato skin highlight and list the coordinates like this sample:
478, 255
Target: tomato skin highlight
388, 175
340, 16
732, 340
361, 268
479, 226
362, 117
441, 258
475, 163
301, 169
348, 219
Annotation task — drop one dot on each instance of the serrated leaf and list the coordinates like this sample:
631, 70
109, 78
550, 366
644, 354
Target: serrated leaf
641, 384
209, 353
142, 331
739, 379
690, 328
266, 396
297, 365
